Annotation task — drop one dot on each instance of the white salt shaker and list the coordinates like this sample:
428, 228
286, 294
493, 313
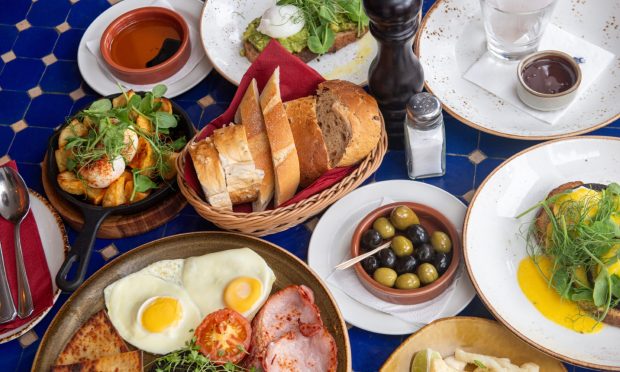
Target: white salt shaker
425, 137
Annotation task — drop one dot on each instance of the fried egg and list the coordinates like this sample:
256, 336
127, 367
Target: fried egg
281, 21
151, 310
237, 279
101, 173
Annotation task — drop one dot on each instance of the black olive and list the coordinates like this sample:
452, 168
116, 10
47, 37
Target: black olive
370, 264
387, 257
417, 234
407, 264
370, 240
441, 262
425, 252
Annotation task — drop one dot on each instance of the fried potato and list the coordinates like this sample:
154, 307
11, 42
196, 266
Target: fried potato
115, 194
121, 101
137, 197
95, 196
171, 159
61, 159
166, 106
69, 182
144, 124
74, 129
144, 159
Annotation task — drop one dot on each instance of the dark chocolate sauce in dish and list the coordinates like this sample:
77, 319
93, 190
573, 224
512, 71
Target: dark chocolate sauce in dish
549, 75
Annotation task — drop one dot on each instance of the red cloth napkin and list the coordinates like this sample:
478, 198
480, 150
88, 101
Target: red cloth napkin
297, 80
36, 266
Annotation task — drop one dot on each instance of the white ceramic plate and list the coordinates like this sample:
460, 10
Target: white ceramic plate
332, 236
100, 81
224, 21
451, 39
55, 245
494, 243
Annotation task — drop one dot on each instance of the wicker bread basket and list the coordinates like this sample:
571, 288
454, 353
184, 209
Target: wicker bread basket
280, 219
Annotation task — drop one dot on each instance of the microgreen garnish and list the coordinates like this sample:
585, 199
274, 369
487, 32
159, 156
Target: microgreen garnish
479, 364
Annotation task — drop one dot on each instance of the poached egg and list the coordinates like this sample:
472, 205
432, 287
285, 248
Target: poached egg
281, 21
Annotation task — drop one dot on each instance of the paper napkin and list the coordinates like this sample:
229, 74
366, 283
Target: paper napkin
500, 77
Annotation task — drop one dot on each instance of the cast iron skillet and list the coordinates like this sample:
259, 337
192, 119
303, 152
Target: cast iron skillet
94, 215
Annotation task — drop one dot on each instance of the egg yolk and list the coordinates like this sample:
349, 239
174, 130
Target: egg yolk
161, 313
241, 293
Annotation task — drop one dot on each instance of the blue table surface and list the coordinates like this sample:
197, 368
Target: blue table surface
40, 85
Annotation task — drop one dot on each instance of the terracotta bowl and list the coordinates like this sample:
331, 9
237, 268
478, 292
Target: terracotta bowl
156, 73
432, 221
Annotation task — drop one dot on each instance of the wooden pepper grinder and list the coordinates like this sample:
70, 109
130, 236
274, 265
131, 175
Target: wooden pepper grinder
395, 74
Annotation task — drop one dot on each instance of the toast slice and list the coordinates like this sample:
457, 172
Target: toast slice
95, 339
341, 40
249, 115
283, 151
210, 173
243, 179
126, 362
308, 139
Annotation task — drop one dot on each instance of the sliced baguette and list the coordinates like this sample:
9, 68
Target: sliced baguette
309, 141
125, 362
243, 179
210, 173
283, 151
250, 116
350, 120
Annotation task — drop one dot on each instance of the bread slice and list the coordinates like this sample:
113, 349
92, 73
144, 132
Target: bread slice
95, 339
350, 120
249, 115
283, 151
341, 40
210, 173
125, 362
243, 179
309, 141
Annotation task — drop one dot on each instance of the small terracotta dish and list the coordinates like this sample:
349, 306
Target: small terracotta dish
432, 220
548, 80
156, 23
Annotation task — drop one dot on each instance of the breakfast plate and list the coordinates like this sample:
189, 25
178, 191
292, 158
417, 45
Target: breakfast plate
101, 80
89, 299
482, 336
495, 243
332, 237
55, 246
452, 38
223, 23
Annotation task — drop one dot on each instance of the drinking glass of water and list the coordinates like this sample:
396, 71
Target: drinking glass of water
514, 27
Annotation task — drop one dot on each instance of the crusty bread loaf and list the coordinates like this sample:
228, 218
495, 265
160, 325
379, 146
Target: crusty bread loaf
283, 151
95, 339
243, 179
313, 158
249, 115
125, 362
350, 120
210, 173
341, 40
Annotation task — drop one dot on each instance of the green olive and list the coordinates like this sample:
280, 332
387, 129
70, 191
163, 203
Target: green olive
385, 276
402, 217
402, 246
384, 227
427, 273
407, 281
441, 242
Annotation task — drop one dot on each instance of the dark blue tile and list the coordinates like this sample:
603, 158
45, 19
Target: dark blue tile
615, 124
35, 42
30, 145
500, 147
210, 112
11, 354
607, 131
485, 168
12, 106
460, 139
459, 178
188, 223
62, 76
192, 109
49, 110
6, 137
476, 308
13, 11
85, 11
392, 167
21, 74
67, 45
48, 13
32, 175
83, 103
8, 34
210, 85
294, 240
370, 350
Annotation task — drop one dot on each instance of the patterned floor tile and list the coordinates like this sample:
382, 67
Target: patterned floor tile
13, 11
499, 147
32, 176
48, 13
294, 240
485, 168
62, 76
211, 112
12, 106
193, 109
6, 138
460, 178
185, 223
21, 74
371, 349
9, 35
49, 110
67, 45
460, 139
35, 42
85, 11
34, 140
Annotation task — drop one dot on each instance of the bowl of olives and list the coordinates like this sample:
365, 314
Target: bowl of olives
422, 258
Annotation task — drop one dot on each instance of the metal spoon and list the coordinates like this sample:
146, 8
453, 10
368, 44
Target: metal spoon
7, 307
14, 206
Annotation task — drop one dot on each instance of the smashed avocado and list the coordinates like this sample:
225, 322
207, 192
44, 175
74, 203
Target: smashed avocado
342, 24
294, 44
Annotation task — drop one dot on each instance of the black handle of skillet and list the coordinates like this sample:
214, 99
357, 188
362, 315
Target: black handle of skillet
80, 251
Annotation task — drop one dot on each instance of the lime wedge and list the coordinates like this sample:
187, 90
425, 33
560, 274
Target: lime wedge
422, 360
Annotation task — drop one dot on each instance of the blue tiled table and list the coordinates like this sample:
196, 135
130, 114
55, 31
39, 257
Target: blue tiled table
40, 85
